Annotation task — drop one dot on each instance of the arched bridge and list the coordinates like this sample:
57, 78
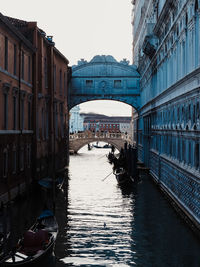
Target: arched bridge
78, 140
104, 78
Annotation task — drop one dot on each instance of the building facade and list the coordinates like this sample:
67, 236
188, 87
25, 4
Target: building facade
16, 102
33, 97
76, 120
166, 49
103, 123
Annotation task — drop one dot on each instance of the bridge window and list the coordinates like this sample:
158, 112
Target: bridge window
89, 83
117, 83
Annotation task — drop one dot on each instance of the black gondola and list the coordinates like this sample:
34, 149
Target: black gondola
122, 177
37, 242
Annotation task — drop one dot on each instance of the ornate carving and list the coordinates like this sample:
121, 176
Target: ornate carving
15, 91
6, 88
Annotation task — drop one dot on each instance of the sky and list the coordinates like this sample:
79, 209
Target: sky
82, 29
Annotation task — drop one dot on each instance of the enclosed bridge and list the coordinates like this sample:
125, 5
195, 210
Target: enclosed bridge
103, 78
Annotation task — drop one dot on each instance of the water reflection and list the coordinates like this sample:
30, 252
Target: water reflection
102, 224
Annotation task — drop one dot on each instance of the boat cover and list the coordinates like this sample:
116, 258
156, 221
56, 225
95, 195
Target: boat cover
45, 214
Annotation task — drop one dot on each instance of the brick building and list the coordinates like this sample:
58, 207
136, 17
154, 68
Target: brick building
103, 123
33, 102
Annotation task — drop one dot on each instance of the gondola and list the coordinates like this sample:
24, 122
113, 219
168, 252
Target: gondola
47, 182
1, 245
122, 177
37, 242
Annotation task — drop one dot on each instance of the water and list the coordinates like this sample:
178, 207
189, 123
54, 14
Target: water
102, 225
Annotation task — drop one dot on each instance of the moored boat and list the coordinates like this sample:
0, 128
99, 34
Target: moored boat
122, 177
36, 243
48, 182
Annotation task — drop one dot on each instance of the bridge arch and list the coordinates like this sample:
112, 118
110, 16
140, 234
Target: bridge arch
79, 140
103, 78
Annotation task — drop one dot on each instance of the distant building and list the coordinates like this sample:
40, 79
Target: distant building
76, 120
103, 123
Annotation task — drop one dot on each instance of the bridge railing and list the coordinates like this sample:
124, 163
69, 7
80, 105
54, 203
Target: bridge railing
97, 135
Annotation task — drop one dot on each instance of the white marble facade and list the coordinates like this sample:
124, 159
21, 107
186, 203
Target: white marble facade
166, 50
76, 121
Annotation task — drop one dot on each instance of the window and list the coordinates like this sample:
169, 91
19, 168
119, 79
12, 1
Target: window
183, 151
65, 84
22, 75
6, 54
15, 60
29, 115
14, 112
189, 154
47, 121
61, 120
22, 159
5, 163
56, 119
60, 82
45, 73
5, 111
89, 83
117, 84
54, 77
43, 123
22, 114
29, 68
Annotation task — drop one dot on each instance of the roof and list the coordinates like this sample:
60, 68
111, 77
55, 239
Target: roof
10, 23
92, 117
22, 25
103, 59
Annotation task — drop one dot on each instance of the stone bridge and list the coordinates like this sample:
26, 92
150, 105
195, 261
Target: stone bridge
78, 140
104, 78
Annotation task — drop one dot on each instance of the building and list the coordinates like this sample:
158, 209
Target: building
166, 49
16, 103
102, 123
76, 120
34, 81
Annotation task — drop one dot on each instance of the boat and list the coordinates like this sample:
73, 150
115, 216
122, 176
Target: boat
47, 182
4, 231
1, 245
105, 146
37, 242
3, 242
122, 177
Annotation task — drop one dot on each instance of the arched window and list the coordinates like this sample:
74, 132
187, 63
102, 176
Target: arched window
194, 113
196, 6
183, 150
189, 111
186, 19
178, 114
183, 113
189, 153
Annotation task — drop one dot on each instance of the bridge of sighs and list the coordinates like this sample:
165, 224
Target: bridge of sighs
104, 78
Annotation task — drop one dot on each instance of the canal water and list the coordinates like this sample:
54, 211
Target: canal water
103, 225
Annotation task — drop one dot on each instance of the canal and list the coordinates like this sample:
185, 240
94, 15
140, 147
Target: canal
103, 225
